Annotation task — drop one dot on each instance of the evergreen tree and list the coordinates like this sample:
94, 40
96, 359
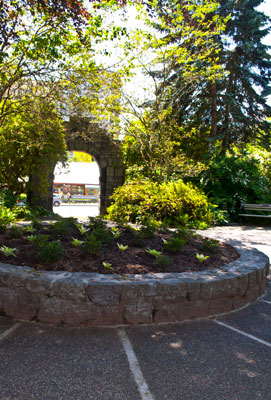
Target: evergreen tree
242, 95
232, 109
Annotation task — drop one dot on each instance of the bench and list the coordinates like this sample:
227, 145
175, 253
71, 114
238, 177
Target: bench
255, 207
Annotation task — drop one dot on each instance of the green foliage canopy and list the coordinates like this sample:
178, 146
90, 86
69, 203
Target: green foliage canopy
27, 141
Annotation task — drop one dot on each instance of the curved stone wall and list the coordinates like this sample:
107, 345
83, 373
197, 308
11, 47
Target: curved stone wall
95, 299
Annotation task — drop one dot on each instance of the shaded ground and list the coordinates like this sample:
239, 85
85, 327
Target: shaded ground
188, 361
100, 253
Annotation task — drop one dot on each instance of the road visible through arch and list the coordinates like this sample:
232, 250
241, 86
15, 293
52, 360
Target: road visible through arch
77, 210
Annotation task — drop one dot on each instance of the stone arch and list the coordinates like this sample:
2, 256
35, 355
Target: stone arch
82, 135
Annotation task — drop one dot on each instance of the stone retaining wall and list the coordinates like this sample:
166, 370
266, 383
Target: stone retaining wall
96, 299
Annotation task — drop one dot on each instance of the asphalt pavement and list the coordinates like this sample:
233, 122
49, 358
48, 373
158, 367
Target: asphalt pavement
77, 210
225, 358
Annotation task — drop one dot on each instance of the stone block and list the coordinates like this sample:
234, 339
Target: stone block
252, 279
135, 289
38, 284
185, 310
168, 313
51, 311
263, 286
253, 293
193, 309
109, 316
243, 281
8, 303
193, 290
27, 305
238, 302
75, 314
138, 312
110, 171
71, 289
229, 286
12, 276
104, 293
18, 304
220, 305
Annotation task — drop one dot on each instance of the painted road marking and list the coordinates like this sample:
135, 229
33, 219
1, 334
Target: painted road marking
265, 301
9, 331
243, 333
143, 388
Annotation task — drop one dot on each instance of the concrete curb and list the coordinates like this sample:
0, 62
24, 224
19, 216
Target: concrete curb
95, 299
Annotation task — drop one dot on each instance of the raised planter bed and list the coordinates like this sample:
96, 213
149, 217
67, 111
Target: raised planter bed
95, 299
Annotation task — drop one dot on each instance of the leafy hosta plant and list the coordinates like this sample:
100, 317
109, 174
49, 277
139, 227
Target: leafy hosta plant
161, 260
32, 238
122, 247
82, 229
115, 232
201, 257
8, 251
153, 252
29, 229
77, 242
107, 265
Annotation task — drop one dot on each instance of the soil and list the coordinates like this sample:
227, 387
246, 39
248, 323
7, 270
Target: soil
133, 260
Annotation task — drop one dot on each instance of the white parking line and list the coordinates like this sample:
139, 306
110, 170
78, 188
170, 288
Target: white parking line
243, 333
265, 301
143, 388
9, 331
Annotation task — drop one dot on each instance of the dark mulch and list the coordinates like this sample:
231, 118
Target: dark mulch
134, 260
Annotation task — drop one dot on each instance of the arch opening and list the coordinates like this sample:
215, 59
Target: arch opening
76, 186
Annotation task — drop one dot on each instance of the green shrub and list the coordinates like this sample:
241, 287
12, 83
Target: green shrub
210, 245
63, 227
92, 245
36, 223
183, 233
162, 261
51, 251
234, 178
39, 241
15, 231
174, 244
3, 228
97, 222
103, 235
22, 212
8, 198
6, 215
176, 202
139, 238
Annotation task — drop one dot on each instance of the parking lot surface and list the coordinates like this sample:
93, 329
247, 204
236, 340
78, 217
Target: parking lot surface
224, 358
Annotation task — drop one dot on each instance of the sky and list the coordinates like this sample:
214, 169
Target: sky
138, 83
266, 8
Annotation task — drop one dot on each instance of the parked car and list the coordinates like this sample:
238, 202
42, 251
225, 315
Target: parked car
56, 200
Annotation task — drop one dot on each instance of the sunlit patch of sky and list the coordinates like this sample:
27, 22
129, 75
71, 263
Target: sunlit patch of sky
140, 86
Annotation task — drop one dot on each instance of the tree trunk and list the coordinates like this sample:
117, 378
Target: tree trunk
213, 111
